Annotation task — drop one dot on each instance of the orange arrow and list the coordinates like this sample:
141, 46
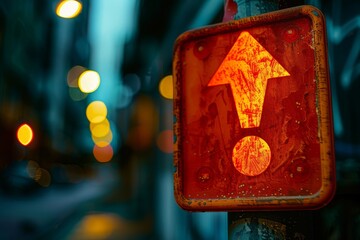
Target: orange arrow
247, 67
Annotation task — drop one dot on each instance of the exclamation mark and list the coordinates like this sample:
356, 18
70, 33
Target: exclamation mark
247, 68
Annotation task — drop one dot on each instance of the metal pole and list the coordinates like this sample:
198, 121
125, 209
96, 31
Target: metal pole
236, 9
271, 224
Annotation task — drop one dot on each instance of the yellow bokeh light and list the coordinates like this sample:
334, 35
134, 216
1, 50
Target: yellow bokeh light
103, 141
25, 134
100, 129
96, 112
100, 226
103, 154
89, 81
166, 87
68, 8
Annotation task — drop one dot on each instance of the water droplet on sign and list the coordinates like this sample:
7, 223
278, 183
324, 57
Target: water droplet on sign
204, 174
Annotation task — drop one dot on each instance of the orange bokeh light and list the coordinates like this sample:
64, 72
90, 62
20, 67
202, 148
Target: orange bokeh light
103, 154
25, 134
165, 141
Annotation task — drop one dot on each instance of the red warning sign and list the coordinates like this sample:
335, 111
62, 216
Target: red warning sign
252, 111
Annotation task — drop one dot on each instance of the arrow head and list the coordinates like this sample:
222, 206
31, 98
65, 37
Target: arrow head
247, 67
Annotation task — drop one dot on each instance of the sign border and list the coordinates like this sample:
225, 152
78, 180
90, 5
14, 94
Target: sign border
323, 108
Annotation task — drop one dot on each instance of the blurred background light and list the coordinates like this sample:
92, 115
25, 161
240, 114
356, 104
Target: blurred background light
103, 154
42, 177
73, 76
102, 226
144, 115
68, 8
24, 134
100, 129
38, 174
166, 87
89, 81
104, 140
96, 111
165, 141
109, 28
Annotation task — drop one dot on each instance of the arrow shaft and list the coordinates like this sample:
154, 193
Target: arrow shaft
249, 102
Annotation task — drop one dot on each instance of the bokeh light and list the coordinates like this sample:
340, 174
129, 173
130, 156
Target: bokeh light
101, 226
68, 8
42, 177
89, 81
165, 141
38, 174
76, 95
96, 112
73, 76
104, 140
25, 134
31, 168
144, 119
166, 87
100, 129
103, 154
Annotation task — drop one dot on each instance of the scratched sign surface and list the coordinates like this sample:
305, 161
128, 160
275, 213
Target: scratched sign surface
252, 112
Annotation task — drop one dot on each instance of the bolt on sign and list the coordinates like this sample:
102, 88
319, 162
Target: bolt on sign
253, 121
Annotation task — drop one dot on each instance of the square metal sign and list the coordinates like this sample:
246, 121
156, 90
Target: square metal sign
253, 121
